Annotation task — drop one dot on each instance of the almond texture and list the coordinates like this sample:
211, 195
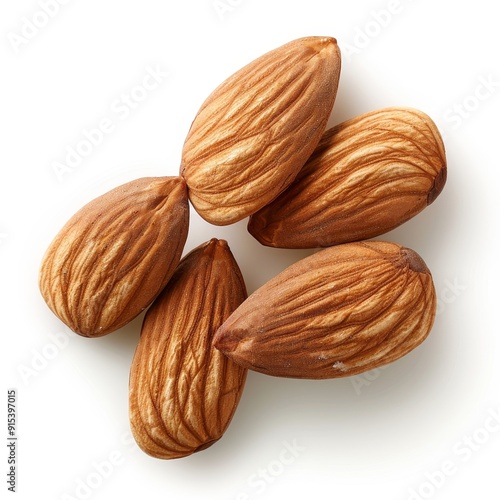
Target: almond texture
183, 392
367, 176
115, 255
341, 311
257, 129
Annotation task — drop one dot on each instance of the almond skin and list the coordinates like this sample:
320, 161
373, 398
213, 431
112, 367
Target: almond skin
115, 255
253, 134
341, 311
183, 392
367, 176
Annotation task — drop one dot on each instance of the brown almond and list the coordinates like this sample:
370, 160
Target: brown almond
115, 255
257, 129
183, 392
367, 176
341, 311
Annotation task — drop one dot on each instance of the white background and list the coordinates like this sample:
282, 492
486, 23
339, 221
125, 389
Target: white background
386, 435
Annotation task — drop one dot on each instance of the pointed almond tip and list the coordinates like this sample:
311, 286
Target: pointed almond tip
329, 40
438, 185
320, 43
204, 446
413, 260
256, 227
217, 340
330, 45
212, 247
215, 245
326, 40
223, 341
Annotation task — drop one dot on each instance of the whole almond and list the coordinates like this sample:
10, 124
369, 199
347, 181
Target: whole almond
341, 311
183, 392
257, 129
367, 176
115, 255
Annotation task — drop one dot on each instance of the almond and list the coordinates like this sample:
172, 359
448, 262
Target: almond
115, 255
367, 176
183, 392
256, 130
341, 311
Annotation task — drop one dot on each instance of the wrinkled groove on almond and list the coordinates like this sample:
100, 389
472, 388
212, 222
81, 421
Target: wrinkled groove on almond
256, 130
342, 311
183, 392
367, 176
114, 256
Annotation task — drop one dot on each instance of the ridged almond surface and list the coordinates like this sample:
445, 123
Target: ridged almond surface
257, 129
341, 311
114, 256
367, 176
183, 392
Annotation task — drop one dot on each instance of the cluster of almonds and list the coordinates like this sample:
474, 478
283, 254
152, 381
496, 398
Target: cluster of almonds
257, 148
